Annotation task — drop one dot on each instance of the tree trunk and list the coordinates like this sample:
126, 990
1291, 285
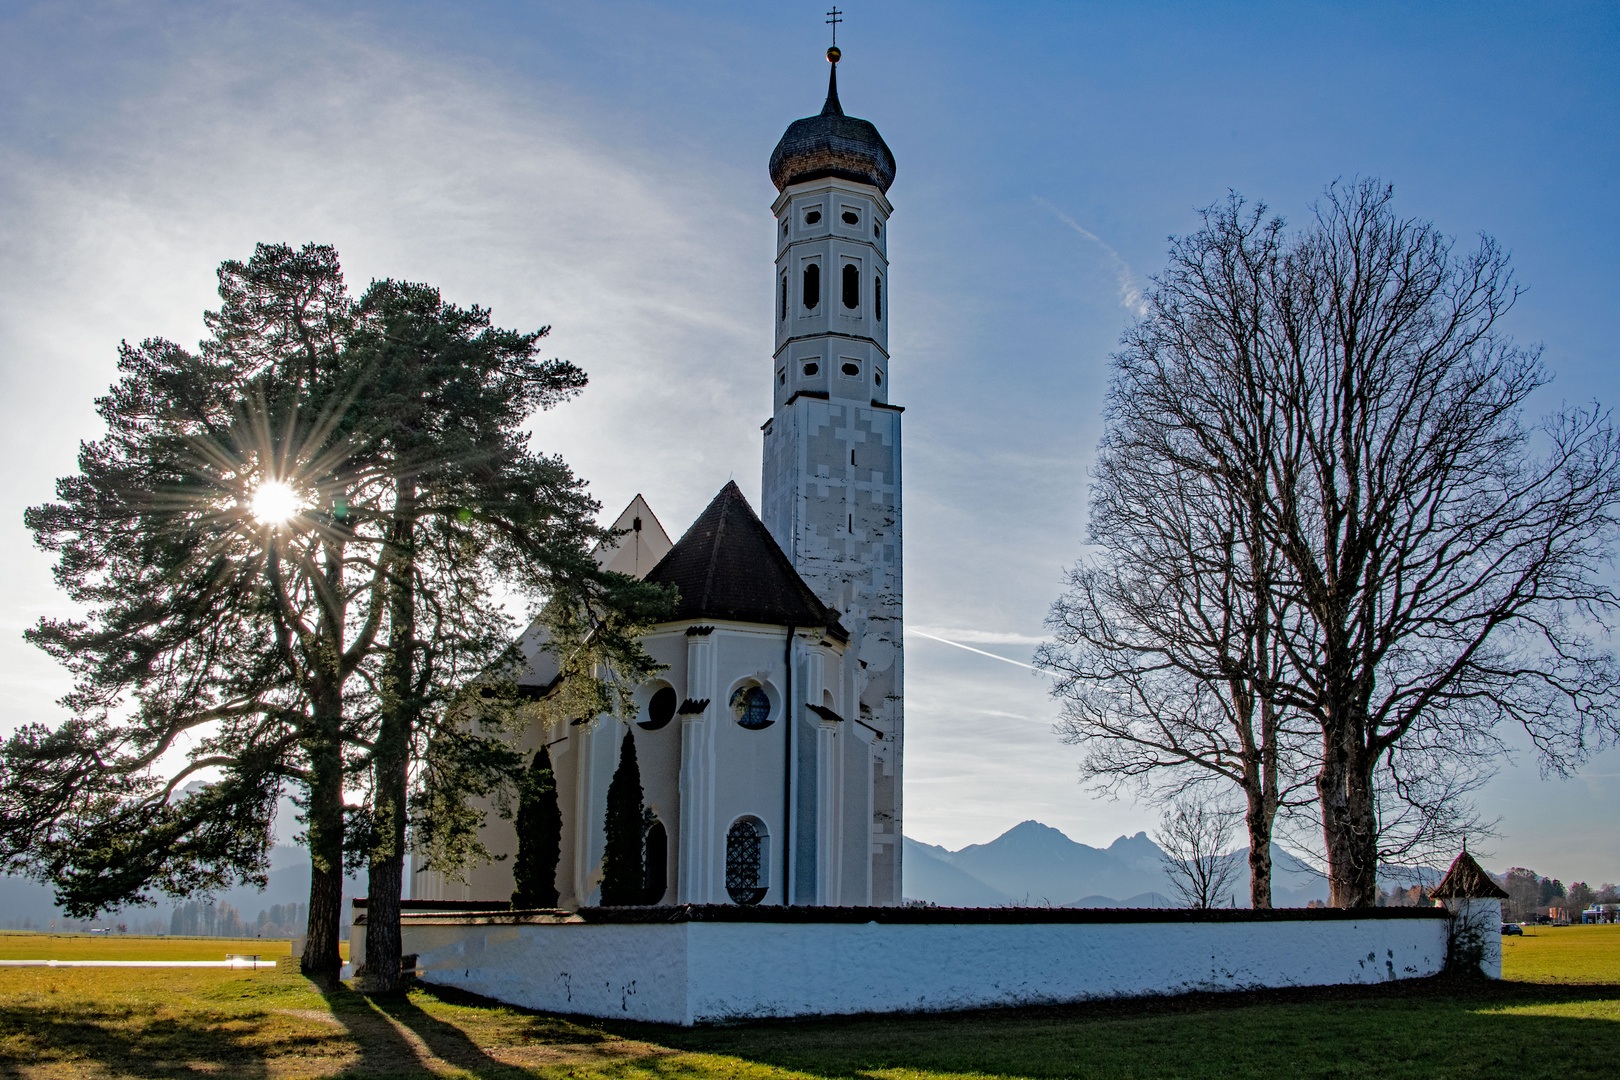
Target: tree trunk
1259, 820
391, 758
324, 832
1349, 820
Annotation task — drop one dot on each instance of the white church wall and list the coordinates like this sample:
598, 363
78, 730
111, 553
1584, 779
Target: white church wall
681, 973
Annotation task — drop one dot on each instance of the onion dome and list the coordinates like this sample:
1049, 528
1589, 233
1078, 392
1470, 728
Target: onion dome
832, 144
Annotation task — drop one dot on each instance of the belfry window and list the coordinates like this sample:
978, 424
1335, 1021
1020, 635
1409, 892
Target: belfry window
851, 218
812, 285
747, 876
813, 217
811, 369
877, 298
783, 313
852, 286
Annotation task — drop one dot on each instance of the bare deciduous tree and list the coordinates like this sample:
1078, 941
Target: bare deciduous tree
1169, 644
1194, 836
1440, 564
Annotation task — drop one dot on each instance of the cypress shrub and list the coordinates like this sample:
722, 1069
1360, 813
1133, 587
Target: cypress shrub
623, 861
539, 833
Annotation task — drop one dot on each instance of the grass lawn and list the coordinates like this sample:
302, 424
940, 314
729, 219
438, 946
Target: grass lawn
26, 945
193, 1022
1563, 954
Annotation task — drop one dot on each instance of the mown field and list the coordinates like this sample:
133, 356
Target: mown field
1557, 1015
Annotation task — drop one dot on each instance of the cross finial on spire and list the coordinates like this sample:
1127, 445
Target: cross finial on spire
833, 21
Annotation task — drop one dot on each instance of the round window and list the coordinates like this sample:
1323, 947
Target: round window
812, 217
851, 218
851, 369
811, 369
660, 710
751, 707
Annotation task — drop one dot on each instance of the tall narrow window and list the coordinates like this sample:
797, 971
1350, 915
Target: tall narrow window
657, 863
877, 298
812, 286
747, 880
783, 313
852, 286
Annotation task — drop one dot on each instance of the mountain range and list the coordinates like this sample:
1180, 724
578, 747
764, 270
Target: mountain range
1029, 864
1035, 864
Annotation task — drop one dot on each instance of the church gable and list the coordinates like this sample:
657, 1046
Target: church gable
727, 566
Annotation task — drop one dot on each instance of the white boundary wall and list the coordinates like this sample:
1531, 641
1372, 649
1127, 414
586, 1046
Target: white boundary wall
696, 972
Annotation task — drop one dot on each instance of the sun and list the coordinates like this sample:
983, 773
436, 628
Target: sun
274, 503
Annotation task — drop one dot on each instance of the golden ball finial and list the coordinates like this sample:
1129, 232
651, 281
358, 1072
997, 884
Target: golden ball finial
833, 54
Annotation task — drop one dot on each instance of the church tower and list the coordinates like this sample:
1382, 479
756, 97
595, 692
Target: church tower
831, 486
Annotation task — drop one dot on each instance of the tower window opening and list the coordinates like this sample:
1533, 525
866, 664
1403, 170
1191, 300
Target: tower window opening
852, 286
877, 377
813, 217
877, 230
781, 376
811, 369
812, 286
851, 370
783, 313
877, 297
746, 871
851, 218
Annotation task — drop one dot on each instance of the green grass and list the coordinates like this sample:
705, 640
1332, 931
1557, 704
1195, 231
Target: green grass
26, 946
1563, 954
1541, 1022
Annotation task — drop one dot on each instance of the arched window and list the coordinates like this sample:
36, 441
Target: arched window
812, 285
657, 863
877, 298
752, 707
660, 709
852, 286
747, 852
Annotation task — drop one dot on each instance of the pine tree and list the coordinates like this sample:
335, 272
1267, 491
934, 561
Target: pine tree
623, 861
539, 834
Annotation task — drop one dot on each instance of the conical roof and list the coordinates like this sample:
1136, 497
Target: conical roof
832, 145
727, 566
1466, 880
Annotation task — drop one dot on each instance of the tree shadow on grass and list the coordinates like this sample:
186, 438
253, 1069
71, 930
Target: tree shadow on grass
1424, 1030
395, 1036
123, 1042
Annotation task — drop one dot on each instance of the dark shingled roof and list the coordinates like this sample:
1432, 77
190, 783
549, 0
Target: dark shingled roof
1467, 881
832, 144
727, 566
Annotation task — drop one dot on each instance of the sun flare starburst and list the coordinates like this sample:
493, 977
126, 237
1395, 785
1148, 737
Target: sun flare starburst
274, 502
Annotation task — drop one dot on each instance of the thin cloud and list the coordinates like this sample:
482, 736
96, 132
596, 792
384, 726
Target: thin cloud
971, 649
977, 637
1131, 295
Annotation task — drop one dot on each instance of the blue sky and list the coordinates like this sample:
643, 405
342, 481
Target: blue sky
601, 168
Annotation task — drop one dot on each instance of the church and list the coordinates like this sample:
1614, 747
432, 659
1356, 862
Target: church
771, 746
